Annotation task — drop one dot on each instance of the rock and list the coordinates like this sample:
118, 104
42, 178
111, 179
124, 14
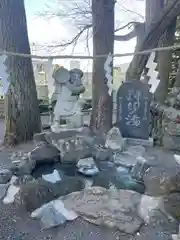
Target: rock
175, 237
52, 177
151, 210
3, 190
21, 164
124, 159
159, 181
72, 149
114, 140
5, 187
39, 138
21, 180
140, 168
120, 179
136, 151
45, 153
115, 209
87, 166
101, 153
53, 214
97, 146
11, 193
5, 175
172, 204
36, 193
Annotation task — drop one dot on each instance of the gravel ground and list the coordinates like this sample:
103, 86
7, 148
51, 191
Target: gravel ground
15, 225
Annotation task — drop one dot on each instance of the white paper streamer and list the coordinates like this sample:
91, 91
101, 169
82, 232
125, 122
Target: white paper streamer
108, 73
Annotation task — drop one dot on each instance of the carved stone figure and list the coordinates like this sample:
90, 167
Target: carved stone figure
68, 87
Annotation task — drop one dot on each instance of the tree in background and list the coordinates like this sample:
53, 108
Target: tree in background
152, 36
95, 19
164, 59
22, 118
156, 30
103, 44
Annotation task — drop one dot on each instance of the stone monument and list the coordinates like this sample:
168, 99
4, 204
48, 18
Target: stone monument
133, 110
68, 87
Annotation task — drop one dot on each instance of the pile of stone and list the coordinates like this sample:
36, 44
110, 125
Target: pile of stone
153, 196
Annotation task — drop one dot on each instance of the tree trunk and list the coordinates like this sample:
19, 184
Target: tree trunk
165, 63
164, 59
22, 118
140, 31
152, 36
152, 8
103, 43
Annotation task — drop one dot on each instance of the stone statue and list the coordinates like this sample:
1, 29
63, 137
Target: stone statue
68, 87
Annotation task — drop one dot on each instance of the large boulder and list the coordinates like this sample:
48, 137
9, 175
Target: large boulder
71, 145
115, 209
152, 210
36, 193
161, 181
118, 179
172, 204
45, 153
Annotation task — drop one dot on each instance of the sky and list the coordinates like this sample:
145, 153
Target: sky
52, 31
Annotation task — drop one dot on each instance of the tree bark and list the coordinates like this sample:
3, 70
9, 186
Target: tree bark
152, 36
22, 118
165, 63
164, 59
103, 43
152, 8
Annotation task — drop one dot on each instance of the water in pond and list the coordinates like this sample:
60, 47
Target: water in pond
109, 176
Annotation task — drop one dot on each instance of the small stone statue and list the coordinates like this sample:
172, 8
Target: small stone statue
68, 87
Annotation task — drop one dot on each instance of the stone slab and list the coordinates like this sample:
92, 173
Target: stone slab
135, 141
133, 109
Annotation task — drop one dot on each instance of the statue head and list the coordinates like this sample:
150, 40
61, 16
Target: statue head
75, 82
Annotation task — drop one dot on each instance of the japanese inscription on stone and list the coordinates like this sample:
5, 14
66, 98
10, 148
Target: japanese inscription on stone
133, 109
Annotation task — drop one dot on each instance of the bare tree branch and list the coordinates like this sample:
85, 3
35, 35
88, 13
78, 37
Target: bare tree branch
128, 24
131, 11
81, 16
122, 7
126, 37
75, 39
129, 35
153, 34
